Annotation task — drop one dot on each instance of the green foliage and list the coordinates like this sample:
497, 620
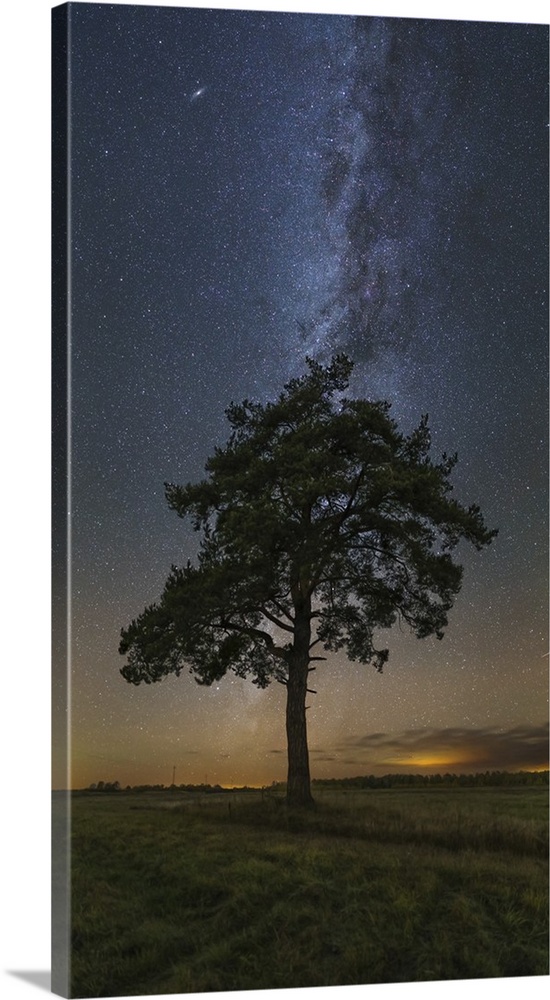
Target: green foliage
317, 514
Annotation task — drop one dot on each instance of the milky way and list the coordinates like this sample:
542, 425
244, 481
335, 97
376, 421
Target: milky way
250, 188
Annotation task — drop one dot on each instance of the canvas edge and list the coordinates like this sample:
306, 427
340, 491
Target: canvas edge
60, 374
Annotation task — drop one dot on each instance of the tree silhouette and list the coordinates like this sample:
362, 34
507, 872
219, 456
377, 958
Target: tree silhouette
320, 523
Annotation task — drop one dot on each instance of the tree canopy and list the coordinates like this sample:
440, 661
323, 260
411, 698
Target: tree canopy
320, 523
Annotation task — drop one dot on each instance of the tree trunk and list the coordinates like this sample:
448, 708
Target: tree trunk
298, 792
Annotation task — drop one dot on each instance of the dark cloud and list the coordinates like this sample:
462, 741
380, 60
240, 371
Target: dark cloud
475, 748
116, 760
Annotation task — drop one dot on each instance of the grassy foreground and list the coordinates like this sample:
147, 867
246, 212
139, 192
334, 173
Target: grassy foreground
176, 894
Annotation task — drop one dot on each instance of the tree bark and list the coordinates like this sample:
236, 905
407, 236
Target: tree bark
298, 792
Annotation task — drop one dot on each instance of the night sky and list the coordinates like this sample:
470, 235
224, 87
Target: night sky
249, 188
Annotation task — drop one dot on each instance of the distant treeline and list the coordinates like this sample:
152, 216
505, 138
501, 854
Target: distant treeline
480, 779
115, 786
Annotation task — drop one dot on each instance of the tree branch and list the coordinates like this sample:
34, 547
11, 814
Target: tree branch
276, 621
280, 607
256, 633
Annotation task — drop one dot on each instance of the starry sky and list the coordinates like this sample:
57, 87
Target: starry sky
251, 187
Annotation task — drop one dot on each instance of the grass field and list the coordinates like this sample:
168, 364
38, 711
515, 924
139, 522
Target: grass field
175, 893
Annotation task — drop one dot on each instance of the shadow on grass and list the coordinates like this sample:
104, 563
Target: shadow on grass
461, 826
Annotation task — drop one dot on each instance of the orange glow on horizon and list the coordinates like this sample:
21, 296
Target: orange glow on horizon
435, 761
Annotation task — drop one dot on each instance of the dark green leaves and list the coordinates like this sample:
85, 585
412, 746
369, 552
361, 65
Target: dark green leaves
318, 507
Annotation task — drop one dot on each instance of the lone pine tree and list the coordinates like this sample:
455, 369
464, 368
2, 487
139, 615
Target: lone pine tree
320, 523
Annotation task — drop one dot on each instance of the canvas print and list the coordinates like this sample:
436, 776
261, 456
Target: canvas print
300, 495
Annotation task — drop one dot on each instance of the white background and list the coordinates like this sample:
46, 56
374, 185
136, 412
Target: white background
25, 478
